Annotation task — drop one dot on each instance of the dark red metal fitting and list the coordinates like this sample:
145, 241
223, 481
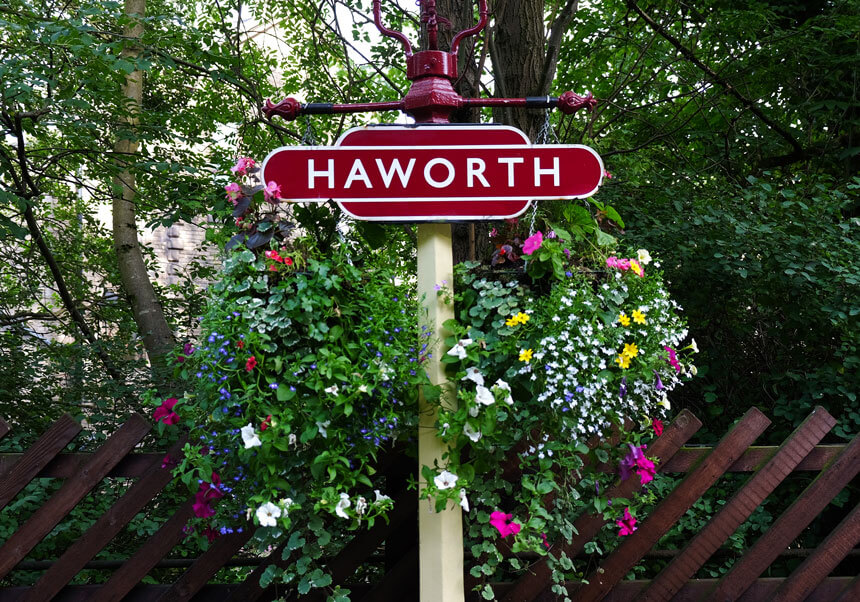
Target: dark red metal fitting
288, 108
569, 102
431, 63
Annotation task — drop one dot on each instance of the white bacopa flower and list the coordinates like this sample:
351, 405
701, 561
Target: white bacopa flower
342, 505
644, 256
332, 390
464, 501
360, 506
249, 437
459, 350
445, 480
268, 515
471, 433
484, 396
380, 497
474, 375
322, 426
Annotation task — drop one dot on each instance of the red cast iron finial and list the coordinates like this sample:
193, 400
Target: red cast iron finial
431, 98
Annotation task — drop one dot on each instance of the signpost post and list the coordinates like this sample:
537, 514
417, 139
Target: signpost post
434, 173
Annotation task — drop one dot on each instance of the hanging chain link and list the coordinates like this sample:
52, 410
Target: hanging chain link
546, 135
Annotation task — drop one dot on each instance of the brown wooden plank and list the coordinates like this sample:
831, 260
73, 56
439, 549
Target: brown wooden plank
783, 531
754, 457
105, 528
250, 590
661, 519
537, 579
207, 565
400, 583
4, 428
72, 492
693, 591
153, 550
65, 466
851, 593
740, 506
829, 553
52, 442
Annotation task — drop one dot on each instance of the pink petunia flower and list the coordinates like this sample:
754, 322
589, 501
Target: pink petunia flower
635, 461
657, 425
164, 413
249, 365
627, 524
673, 358
242, 166
504, 523
533, 243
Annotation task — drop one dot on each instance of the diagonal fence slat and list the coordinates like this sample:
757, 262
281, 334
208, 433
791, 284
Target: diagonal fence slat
740, 506
730, 447
104, 529
785, 529
399, 583
73, 491
154, 549
851, 593
28, 466
4, 428
674, 436
205, 567
827, 555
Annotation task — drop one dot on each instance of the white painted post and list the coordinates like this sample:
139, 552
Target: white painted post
440, 535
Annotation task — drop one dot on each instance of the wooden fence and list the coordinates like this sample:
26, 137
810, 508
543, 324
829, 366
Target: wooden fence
393, 546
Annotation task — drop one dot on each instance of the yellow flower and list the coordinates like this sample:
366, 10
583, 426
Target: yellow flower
526, 355
623, 361
630, 350
520, 318
638, 316
625, 321
637, 269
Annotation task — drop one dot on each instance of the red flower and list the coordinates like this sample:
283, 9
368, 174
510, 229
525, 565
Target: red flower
210, 533
657, 425
249, 365
206, 494
240, 344
627, 524
266, 423
288, 261
168, 462
164, 413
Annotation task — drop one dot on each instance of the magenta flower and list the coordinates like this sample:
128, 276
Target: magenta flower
627, 524
249, 365
206, 495
657, 425
673, 358
532, 243
504, 523
242, 166
234, 191
635, 461
164, 413
272, 192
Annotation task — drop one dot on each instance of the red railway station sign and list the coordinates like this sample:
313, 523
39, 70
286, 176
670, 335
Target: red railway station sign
434, 173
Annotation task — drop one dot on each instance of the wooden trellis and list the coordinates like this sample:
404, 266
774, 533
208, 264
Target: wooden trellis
394, 544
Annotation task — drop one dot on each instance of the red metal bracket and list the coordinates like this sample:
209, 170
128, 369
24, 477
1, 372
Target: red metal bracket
431, 97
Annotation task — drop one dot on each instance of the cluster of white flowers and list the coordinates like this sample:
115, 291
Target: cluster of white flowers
484, 397
596, 364
361, 503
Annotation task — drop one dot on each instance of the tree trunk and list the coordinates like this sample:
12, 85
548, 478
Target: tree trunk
146, 307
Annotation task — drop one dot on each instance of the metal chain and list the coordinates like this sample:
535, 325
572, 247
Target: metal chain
546, 135
309, 138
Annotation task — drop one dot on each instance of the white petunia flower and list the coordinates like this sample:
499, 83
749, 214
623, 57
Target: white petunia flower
292, 439
644, 256
380, 497
362, 389
445, 480
665, 402
249, 437
459, 350
342, 505
268, 514
360, 506
505, 387
471, 433
693, 346
332, 390
322, 426
464, 501
484, 396
474, 375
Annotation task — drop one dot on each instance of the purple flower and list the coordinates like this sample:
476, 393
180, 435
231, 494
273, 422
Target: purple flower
658, 384
622, 390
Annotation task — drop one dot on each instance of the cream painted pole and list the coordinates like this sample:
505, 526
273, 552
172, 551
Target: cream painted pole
440, 535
